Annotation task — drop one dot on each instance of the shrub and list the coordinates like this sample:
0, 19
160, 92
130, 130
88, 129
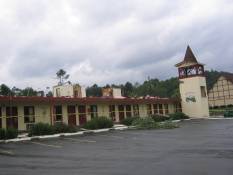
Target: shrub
168, 125
41, 129
98, 123
2, 134
11, 133
128, 121
178, 116
64, 128
145, 123
159, 118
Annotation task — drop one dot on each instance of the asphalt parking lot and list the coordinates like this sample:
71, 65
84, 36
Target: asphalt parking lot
197, 147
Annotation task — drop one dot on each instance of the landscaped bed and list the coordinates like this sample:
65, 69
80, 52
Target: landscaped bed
97, 124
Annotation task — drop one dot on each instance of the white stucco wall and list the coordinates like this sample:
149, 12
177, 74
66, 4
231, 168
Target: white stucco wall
190, 87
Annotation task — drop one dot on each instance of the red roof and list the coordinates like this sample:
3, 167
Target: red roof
88, 100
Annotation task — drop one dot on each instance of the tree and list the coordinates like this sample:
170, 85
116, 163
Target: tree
62, 76
127, 89
94, 91
5, 90
28, 91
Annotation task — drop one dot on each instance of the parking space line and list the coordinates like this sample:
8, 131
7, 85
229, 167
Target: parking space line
80, 140
48, 145
6, 152
112, 136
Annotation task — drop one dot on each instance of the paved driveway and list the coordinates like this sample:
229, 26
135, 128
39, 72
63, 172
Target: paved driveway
197, 147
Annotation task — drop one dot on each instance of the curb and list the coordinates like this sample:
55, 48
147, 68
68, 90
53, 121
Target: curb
86, 132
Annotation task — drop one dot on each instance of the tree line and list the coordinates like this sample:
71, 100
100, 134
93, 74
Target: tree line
150, 87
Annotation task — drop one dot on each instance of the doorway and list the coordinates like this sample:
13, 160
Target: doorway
82, 114
71, 115
12, 117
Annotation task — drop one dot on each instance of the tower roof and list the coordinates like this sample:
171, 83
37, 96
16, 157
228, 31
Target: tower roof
189, 58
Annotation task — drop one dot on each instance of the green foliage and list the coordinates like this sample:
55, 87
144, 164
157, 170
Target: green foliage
98, 123
28, 91
149, 123
128, 121
159, 118
94, 91
168, 125
41, 129
178, 116
46, 129
2, 134
64, 128
62, 76
5, 90
9, 133
211, 78
145, 123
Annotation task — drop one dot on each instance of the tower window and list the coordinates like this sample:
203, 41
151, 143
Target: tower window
203, 91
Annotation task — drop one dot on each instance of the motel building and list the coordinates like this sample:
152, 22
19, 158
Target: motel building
70, 105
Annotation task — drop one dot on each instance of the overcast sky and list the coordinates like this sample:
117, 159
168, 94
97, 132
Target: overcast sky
110, 41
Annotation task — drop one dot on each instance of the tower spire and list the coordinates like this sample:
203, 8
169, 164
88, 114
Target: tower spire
189, 56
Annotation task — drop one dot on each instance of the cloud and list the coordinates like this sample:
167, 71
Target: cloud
110, 41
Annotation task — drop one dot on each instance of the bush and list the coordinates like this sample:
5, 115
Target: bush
128, 121
9, 133
159, 118
178, 116
2, 134
98, 123
168, 125
64, 128
41, 129
145, 123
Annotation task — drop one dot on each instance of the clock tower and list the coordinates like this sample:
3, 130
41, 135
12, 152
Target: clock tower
193, 89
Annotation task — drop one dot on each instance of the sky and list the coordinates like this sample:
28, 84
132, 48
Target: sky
110, 41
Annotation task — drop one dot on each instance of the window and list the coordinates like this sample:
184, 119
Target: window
112, 113
58, 92
203, 91
149, 111
29, 114
12, 117
58, 113
155, 108
135, 110
166, 108
160, 109
128, 111
94, 111
178, 108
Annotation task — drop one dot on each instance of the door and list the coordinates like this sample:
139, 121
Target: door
82, 114
12, 117
121, 112
71, 115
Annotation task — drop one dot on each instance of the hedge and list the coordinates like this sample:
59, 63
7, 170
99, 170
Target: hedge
9, 133
128, 121
98, 123
47, 129
178, 116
